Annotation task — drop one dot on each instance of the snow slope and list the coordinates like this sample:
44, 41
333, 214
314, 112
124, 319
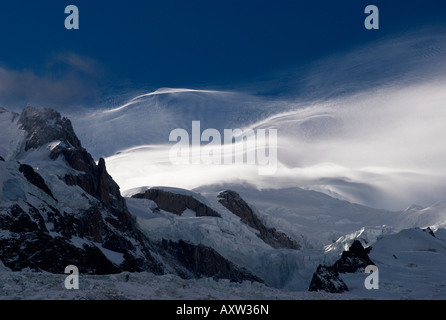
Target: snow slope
138, 286
410, 265
281, 268
324, 226
12, 135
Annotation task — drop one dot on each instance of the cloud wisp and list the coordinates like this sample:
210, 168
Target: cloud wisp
381, 145
68, 80
384, 149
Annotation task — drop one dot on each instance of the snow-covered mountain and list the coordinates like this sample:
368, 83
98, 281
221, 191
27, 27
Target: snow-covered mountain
359, 179
59, 207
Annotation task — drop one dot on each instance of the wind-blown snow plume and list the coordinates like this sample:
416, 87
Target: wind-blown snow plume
372, 133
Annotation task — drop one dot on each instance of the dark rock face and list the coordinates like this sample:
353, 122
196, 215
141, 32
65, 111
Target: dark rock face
205, 261
429, 231
1, 159
176, 203
98, 235
32, 246
34, 178
46, 125
234, 203
45, 239
40, 237
327, 279
95, 181
353, 260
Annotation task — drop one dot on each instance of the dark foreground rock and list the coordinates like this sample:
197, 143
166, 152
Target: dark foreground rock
356, 259
327, 278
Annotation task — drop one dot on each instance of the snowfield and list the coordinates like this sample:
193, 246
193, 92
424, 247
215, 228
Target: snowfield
312, 219
410, 263
138, 286
322, 206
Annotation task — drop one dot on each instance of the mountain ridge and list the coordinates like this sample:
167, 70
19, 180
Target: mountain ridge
79, 216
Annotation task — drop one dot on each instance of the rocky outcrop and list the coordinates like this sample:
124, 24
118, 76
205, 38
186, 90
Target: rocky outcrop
327, 278
99, 237
47, 125
96, 182
429, 231
234, 203
199, 261
32, 247
34, 178
354, 260
47, 231
176, 203
40, 237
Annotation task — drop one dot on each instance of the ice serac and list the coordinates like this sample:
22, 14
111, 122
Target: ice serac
234, 203
176, 203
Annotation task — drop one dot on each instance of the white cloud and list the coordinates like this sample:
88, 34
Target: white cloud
379, 143
383, 148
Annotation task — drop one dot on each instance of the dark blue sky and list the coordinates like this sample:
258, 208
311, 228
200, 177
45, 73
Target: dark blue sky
199, 44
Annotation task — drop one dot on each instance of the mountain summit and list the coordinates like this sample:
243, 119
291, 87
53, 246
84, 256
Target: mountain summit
58, 208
